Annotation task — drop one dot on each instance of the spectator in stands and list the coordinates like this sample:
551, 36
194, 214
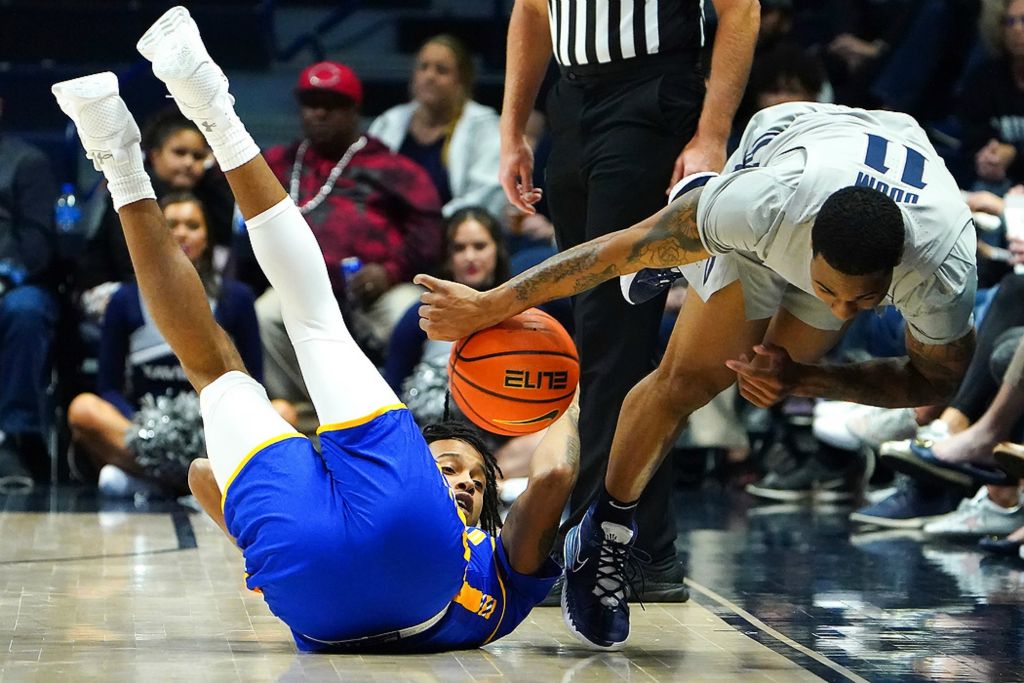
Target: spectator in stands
28, 309
453, 138
898, 54
178, 160
135, 360
939, 444
780, 74
360, 199
417, 367
992, 105
476, 257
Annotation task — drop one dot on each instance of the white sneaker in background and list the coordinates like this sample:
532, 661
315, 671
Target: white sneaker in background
874, 426
936, 430
978, 516
830, 424
116, 483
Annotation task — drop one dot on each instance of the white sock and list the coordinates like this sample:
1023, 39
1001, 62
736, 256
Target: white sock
127, 180
231, 143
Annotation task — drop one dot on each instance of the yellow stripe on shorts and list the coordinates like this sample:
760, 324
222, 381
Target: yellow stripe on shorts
248, 457
348, 424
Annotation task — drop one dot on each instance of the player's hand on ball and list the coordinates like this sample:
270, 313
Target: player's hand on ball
766, 378
449, 310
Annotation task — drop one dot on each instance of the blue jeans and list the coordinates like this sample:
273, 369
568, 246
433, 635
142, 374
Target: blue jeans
28, 315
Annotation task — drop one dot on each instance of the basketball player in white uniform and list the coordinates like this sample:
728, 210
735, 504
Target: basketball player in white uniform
823, 211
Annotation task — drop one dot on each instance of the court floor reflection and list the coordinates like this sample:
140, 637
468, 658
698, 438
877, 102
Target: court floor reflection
888, 605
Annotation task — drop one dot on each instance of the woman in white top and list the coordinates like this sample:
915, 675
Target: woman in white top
455, 139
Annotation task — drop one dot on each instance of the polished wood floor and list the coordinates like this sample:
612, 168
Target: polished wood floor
158, 596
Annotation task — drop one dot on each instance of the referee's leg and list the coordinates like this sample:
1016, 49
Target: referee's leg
628, 157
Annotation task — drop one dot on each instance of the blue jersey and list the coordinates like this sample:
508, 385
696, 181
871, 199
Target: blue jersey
494, 599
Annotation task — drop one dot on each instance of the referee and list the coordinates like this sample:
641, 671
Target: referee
629, 117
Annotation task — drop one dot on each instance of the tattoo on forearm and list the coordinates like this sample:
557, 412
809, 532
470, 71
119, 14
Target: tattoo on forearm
926, 376
560, 267
668, 239
674, 238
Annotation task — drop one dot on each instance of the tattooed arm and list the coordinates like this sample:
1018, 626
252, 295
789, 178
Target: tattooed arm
532, 524
668, 238
927, 375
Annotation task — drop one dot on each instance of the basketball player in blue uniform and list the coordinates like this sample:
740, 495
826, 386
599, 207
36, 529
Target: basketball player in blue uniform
370, 543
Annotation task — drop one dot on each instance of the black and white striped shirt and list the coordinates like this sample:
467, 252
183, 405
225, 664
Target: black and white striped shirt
602, 31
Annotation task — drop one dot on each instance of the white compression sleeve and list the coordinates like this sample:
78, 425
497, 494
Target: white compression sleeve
343, 384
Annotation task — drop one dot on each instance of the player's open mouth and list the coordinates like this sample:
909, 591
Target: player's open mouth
465, 501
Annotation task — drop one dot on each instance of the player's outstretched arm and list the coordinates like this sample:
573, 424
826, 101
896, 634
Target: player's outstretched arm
532, 524
668, 238
927, 376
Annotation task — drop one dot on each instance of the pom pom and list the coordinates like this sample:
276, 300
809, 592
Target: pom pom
166, 435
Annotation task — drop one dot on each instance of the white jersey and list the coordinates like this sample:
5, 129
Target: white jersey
794, 156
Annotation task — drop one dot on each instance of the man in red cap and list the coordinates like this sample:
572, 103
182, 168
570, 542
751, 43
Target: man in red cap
360, 200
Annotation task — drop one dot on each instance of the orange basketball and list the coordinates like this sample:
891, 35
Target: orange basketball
516, 377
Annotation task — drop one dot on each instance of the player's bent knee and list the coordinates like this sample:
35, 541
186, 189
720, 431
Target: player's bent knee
690, 390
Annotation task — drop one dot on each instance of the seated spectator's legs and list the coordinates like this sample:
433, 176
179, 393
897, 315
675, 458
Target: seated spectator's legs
376, 323
100, 428
978, 387
281, 373
975, 443
27, 318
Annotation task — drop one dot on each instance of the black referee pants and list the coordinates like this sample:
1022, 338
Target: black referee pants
615, 138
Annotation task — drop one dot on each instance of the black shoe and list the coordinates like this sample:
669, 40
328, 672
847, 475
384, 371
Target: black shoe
658, 585
814, 480
14, 477
663, 584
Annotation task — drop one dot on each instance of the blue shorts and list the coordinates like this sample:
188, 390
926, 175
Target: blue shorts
360, 539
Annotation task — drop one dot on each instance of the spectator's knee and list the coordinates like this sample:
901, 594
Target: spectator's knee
29, 310
83, 413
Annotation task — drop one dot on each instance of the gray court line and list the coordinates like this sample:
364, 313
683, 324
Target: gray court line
757, 623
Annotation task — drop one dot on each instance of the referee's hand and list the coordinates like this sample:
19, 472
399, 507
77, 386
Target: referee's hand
516, 176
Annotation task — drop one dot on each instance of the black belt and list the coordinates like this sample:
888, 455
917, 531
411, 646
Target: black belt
637, 66
381, 639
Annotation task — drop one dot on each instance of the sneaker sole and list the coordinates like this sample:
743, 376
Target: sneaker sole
779, 494
582, 638
169, 25
911, 465
16, 484
890, 523
819, 495
1010, 463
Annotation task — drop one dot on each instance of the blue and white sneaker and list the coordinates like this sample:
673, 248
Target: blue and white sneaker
910, 506
644, 285
597, 559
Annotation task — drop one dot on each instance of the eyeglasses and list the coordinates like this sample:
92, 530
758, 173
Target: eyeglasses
1010, 20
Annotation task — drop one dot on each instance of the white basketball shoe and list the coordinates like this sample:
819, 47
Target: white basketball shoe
106, 127
197, 84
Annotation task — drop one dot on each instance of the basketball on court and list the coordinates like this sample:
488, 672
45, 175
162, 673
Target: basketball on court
516, 377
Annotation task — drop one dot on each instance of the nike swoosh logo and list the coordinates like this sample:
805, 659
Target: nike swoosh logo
546, 416
576, 564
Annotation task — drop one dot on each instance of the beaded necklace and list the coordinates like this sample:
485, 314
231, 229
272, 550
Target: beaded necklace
325, 189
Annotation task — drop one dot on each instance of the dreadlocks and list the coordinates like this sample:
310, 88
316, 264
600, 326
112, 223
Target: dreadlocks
490, 520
